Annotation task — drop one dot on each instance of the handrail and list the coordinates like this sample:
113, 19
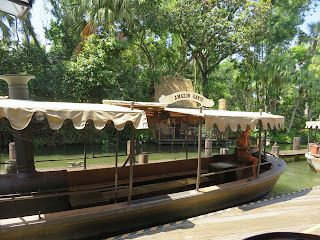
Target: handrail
50, 193
103, 156
66, 191
232, 170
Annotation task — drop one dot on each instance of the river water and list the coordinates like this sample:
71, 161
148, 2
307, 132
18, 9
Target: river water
297, 176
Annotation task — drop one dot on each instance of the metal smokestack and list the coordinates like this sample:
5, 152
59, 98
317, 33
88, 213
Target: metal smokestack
18, 85
222, 104
18, 89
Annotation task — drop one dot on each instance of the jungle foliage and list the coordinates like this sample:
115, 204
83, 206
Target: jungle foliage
251, 53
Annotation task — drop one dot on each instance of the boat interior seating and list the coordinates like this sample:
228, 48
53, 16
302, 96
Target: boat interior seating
152, 179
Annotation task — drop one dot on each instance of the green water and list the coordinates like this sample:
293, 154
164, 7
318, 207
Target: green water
297, 176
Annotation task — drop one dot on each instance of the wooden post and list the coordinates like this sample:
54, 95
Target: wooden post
134, 149
11, 164
296, 143
12, 151
143, 158
199, 152
92, 148
208, 147
275, 151
224, 151
260, 142
116, 168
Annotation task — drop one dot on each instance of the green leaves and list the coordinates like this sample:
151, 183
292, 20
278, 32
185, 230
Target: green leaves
105, 69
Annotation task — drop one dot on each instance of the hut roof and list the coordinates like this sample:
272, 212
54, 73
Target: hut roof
169, 85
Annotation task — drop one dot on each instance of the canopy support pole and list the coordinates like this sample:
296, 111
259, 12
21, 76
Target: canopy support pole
315, 135
186, 137
0, 147
85, 153
199, 152
132, 130
92, 147
260, 147
116, 169
265, 138
265, 145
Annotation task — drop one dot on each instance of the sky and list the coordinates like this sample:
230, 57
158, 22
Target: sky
40, 19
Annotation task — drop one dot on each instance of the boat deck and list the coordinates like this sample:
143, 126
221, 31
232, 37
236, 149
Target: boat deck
292, 153
295, 212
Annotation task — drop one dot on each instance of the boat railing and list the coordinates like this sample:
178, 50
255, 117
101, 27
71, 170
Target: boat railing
54, 193
232, 170
67, 191
102, 156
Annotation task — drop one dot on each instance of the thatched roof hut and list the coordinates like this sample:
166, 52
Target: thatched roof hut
169, 85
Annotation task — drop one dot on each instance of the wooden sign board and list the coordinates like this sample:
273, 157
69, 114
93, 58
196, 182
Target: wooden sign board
178, 96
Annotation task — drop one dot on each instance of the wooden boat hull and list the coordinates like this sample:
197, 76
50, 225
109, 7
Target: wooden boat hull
113, 219
314, 162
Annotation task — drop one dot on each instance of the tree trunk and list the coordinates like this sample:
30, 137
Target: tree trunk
274, 100
309, 110
314, 47
257, 99
204, 82
25, 31
295, 110
204, 74
31, 30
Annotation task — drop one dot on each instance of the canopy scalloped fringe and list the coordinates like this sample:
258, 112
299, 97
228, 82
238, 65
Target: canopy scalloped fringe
223, 123
223, 118
235, 118
20, 112
313, 124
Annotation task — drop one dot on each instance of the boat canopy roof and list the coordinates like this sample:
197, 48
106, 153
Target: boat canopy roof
20, 112
313, 124
17, 8
223, 118
142, 105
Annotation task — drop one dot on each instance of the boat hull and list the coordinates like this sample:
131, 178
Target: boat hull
314, 162
114, 219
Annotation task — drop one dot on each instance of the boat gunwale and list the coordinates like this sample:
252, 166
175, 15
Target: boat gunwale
96, 212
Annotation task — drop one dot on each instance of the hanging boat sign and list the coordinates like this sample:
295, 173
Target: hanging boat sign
192, 96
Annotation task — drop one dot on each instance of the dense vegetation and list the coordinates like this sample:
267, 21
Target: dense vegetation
251, 53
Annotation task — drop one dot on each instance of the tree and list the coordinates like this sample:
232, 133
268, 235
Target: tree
29, 30
314, 29
6, 29
78, 20
106, 69
274, 71
211, 31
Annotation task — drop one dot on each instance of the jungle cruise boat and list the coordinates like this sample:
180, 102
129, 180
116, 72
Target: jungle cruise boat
313, 154
111, 201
